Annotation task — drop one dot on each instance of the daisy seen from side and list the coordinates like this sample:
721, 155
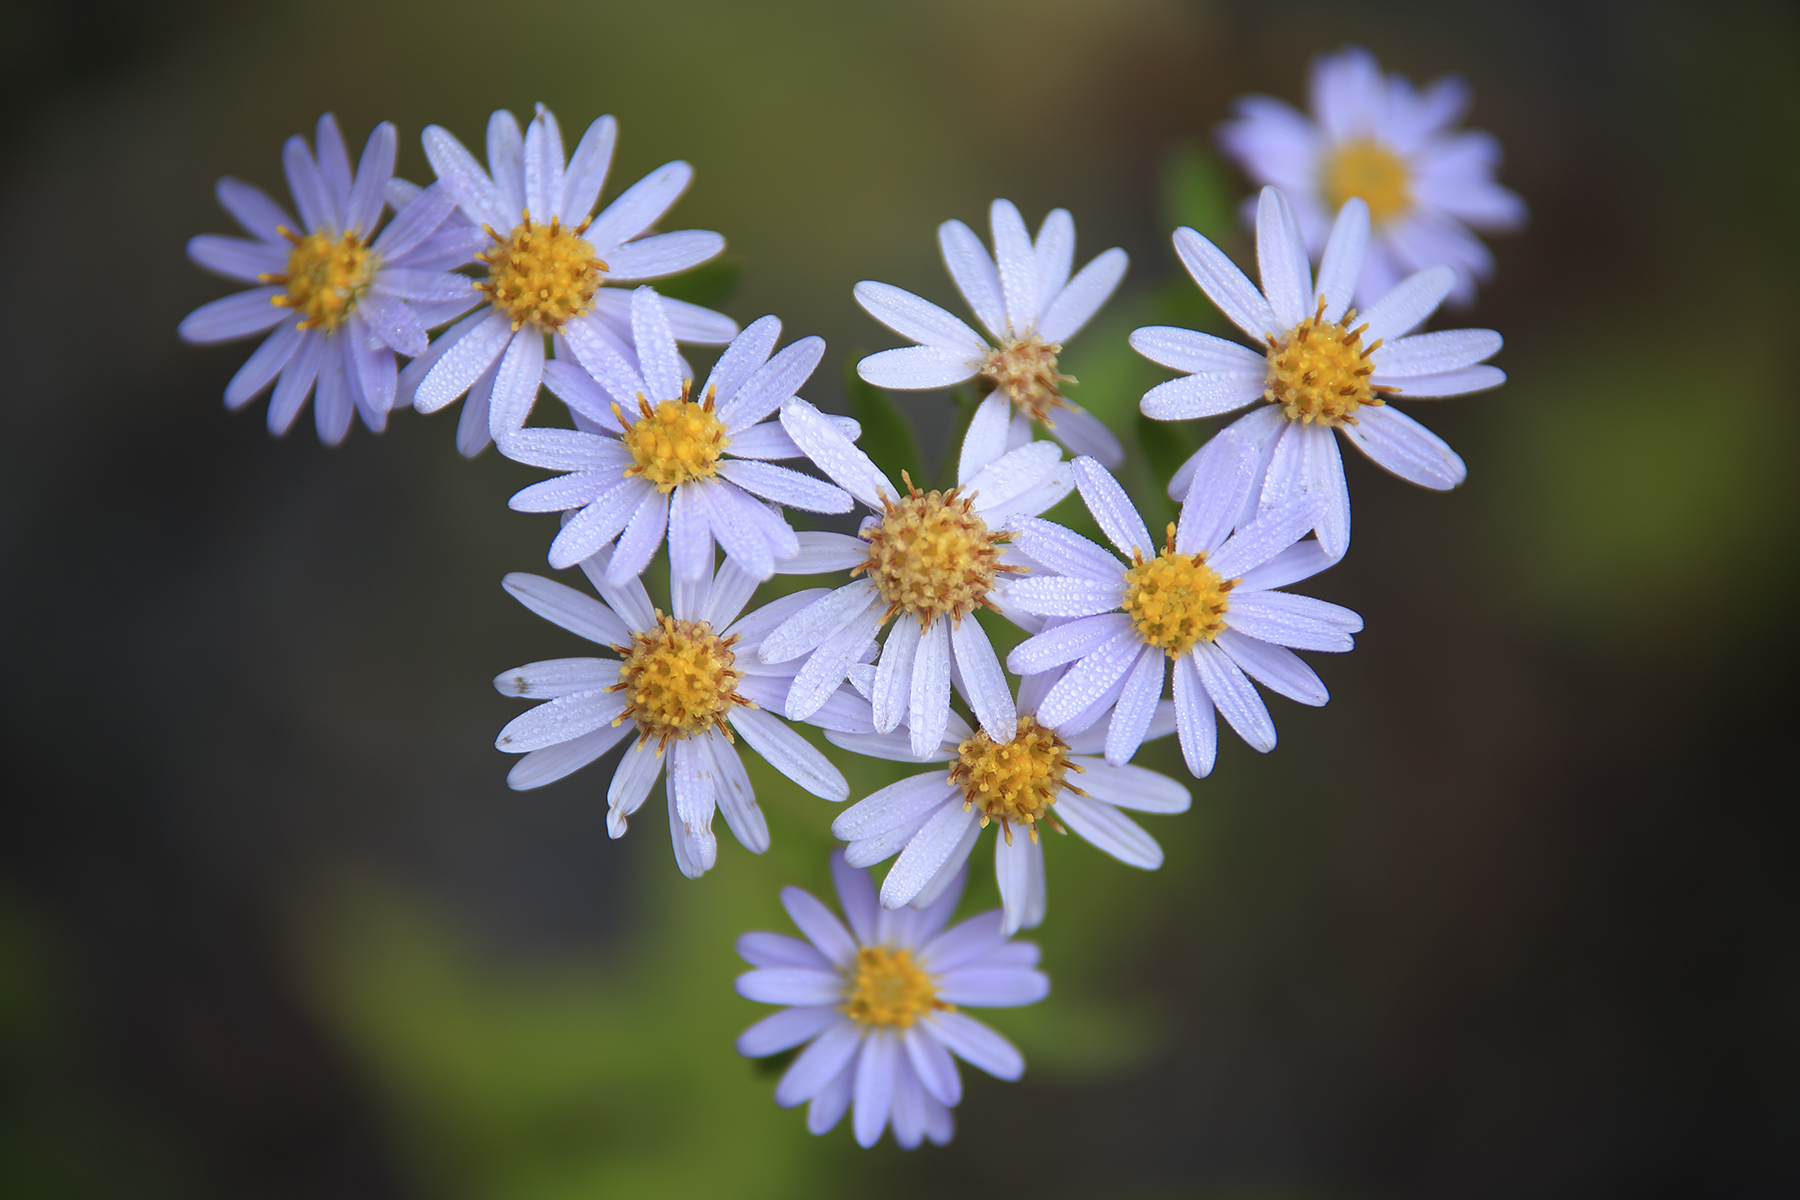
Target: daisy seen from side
1320, 365
1023, 296
927, 561
551, 267
1428, 185
667, 460
687, 684
1204, 603
336, 298
877, 1007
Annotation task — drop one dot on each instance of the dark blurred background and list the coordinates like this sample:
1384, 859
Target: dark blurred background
1514, 915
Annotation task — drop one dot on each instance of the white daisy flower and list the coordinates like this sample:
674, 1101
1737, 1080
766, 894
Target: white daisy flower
665, 459
1030, 307
878, 1007
339, 297
1320, 364
1373, 136
684, 682
929, 558
933, 819
547, 263
1204, 603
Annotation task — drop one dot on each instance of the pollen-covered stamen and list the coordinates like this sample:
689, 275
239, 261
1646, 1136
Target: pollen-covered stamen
542, 274
1014, 782
932, 555
679, 679
674, 442
886, 987
1320, 370
1025, 370
325, 277
1175, 600
1367, 168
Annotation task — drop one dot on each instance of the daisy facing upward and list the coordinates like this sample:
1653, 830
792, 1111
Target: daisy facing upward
1024, 298
1203, 603
666, 459
1376, 137
877, 1007
548, 263
340, 298
1321, 366
687, 683
927, 561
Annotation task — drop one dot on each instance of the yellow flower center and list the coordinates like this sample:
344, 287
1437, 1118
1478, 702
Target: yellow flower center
679, 679
674, 442
542, 274
1320, 370
1367, 168
1175, 600
1014, 782
888, 988
325, 277
932, 555
1025, 369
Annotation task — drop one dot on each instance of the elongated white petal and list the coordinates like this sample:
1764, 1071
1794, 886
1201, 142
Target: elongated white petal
820, 925
918, 368
1435, 353
1194, 720
557, 677
1342, 263
1060, 596
1450, 383
892, 807
1226, 286
464, 362
779, 950
819, 1064
1274, 617
546, 766
1275, 667
1083, 297
639, 206
234, 316
985, 441
791, 985
918, 319
1112, 508
1064, 551
786, 487
664, 254
1186, 350
1136, 706
1405, 447
1101, 670
790, 753
586, 173
818, 621
786, 1029
1110, 830
995, 486
1234, 697
988, 694
1281, 259
834, 453
1300, 561
974, 274
976, 1044
928, 704
1065, 643
563, 605
928, 851
1273, 531
1410, 302
1128, 786
876, 1065
457, 169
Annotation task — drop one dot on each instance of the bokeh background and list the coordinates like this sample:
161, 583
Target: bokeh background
1514, 915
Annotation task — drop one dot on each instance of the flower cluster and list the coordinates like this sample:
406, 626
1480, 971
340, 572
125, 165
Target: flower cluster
530, 288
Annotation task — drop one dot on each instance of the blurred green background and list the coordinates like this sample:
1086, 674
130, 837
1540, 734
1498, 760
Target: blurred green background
1514, 915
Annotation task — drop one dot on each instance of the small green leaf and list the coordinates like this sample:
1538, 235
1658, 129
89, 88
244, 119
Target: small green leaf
886, 437
708, 285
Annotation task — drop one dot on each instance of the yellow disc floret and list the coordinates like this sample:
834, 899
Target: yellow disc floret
1320, 370
932, 555
1367, 168
888, 988
544, 275
1015, 782
674, 442
1025, 370
325, 277
1175, 600
679, 679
